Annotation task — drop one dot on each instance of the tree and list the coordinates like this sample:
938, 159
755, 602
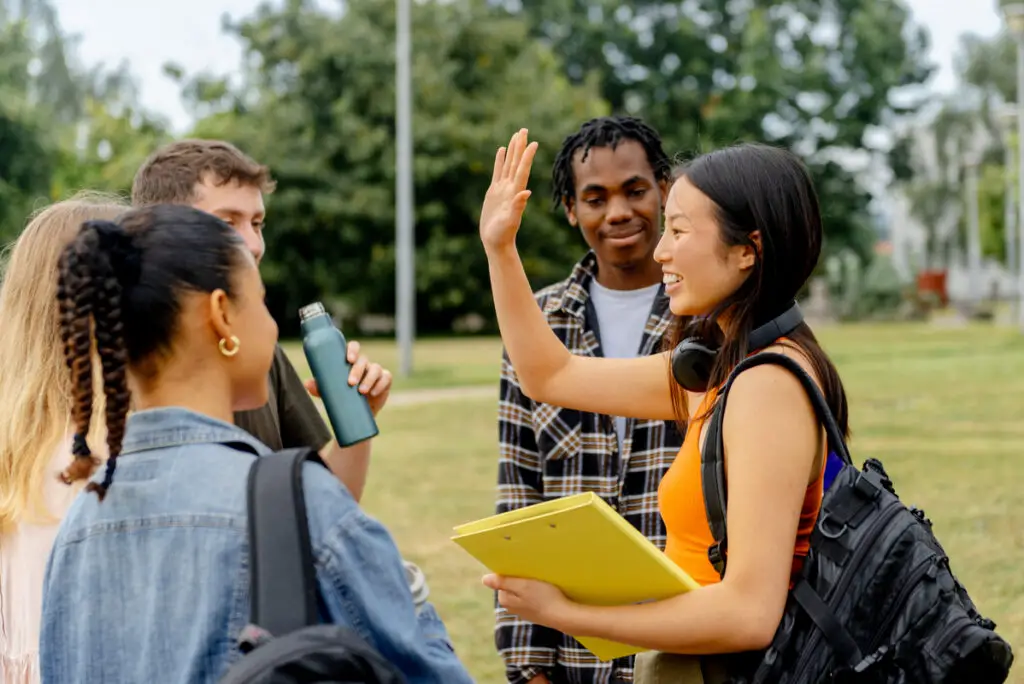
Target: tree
318, 104
816, 77
63, 128
26, 159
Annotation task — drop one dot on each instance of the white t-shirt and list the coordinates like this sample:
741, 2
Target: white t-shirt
621, 317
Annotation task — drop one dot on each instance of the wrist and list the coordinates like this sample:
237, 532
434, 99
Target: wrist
499, 250
575, 619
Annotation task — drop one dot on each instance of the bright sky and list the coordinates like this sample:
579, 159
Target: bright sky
148, 34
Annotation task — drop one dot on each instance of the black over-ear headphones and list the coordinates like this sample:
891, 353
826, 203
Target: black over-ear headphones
693, 357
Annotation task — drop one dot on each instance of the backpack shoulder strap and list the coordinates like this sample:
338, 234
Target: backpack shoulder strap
713, 450
282, 578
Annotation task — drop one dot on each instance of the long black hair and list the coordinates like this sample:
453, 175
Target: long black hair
767, 190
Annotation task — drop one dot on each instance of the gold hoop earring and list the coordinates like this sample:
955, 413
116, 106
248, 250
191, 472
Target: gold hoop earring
223, 346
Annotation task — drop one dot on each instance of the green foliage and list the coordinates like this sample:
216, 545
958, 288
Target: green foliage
26, 158
62, 128
811, 76
319, 109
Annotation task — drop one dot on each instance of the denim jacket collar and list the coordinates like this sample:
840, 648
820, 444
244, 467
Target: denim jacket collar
172, 426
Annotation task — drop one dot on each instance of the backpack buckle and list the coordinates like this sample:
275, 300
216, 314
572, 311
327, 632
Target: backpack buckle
717, 557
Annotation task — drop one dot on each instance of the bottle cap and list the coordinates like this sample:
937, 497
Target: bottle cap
311, 311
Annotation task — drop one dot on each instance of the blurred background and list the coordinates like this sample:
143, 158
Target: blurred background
904, 110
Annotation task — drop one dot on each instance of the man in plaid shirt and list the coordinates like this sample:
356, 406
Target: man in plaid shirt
611, 177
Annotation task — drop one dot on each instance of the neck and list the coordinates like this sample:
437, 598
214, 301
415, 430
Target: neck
187, 388
635, 277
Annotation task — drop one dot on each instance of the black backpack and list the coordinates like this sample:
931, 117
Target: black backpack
285, 644
876, 600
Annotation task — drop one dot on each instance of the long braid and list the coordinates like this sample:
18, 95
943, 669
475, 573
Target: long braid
606, 131
76, 292
90, 303
109, 330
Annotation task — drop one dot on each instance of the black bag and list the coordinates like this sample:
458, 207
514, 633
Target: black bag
876, 600
285, 644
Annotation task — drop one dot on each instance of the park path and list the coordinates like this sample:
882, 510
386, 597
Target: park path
411, 397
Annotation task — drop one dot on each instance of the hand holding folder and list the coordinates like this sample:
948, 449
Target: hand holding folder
583, 547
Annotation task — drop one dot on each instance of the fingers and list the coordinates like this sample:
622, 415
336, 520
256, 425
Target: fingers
520, 147
506, 168
353, 351
359, 369
499, 165
525, 164
519, 202
370, 377
383, 384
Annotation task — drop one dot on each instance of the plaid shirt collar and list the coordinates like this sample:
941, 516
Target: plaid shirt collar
572, 298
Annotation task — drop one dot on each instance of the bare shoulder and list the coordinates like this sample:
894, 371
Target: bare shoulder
766, 396
762, 399
772, 377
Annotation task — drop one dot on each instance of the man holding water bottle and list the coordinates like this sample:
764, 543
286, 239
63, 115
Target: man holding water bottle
216, 177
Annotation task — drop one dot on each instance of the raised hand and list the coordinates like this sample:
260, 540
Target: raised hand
505, 201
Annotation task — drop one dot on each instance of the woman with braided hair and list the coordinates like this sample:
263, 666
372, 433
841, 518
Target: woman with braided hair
148, 580
35, 422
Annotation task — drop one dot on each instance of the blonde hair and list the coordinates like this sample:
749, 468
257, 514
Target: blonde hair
35, 384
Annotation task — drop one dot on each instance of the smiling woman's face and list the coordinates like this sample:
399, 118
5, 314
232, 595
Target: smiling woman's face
700, 271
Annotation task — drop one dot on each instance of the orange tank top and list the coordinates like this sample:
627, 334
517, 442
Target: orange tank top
681, 502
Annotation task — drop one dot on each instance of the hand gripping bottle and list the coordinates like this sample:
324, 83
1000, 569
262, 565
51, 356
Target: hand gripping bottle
326, 351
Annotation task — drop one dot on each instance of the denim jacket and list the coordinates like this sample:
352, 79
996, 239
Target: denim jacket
152, 584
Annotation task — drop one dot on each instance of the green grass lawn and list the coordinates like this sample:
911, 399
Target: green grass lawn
940, 407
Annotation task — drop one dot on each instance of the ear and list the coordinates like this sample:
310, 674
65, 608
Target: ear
663, 187
748, 255
221, 315
570, 213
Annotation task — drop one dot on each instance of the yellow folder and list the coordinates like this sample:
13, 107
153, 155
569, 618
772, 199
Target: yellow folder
581, 545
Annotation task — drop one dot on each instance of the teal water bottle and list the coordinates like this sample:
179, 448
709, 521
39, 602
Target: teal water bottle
326, 351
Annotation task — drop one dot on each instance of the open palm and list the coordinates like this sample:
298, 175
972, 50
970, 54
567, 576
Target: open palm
505, 201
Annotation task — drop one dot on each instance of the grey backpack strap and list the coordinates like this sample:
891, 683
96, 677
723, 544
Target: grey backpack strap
282, 578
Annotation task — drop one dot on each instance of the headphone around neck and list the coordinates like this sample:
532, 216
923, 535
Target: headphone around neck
693, 358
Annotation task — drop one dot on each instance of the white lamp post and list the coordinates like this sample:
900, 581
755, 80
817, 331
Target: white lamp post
1013, 13
971, 164
1008, 118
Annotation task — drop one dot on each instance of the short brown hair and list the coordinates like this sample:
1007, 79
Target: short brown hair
171, 174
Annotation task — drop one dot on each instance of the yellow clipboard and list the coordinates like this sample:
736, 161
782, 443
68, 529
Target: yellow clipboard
581, 545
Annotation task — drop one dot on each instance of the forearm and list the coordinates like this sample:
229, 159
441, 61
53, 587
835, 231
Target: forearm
349, 464
535, 351
711, 620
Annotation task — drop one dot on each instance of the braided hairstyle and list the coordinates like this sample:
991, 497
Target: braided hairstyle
607, 131
118, 288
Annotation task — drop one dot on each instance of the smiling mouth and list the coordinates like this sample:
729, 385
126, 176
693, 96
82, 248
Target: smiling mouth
623, 235
670, 278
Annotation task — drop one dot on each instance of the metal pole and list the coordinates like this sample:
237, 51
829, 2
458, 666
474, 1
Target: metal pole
405, 275
1010, 213
1020, 180
973, 234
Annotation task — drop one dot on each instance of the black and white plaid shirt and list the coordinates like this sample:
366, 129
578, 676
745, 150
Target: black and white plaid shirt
547, 452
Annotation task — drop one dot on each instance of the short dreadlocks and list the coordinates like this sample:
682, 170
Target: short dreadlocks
606, 131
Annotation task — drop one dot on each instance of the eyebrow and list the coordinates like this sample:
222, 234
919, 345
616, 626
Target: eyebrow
237, 212
678, 215
593, 187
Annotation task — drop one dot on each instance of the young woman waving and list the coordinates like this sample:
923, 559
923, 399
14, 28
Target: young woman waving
742, 236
